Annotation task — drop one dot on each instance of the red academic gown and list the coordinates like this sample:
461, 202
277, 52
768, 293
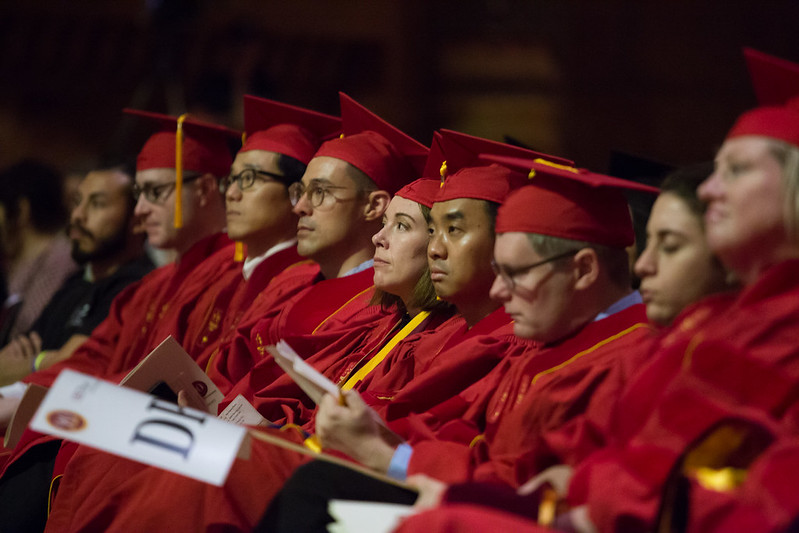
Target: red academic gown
238, 303
325, 305
529, 396
467, 519
252, 483
662, 414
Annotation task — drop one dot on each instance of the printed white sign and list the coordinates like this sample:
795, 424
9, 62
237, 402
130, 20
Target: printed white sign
138, 426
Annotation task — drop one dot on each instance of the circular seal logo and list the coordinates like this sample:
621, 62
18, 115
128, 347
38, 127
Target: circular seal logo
201, 387
66, 420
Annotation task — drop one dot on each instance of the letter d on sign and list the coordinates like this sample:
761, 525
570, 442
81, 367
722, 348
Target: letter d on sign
165, 434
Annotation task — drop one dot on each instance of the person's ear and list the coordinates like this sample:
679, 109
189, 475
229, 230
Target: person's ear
207, 187
376, 205
585, 268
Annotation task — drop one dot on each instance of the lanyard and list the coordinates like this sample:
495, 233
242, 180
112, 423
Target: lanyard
377, 359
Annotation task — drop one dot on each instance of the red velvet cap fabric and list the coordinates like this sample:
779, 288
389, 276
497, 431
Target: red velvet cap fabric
781, 123
286, 129
466, 176
774, 80
422, 191
389, 157
490, 182
570, 203
205, 146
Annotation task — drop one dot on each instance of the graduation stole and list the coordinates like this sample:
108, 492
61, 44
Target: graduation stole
385, 350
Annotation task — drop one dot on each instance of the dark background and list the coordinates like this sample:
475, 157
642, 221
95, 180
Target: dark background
573, 77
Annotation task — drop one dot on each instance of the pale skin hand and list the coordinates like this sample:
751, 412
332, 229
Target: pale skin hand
431, 491
187, 400
355, 429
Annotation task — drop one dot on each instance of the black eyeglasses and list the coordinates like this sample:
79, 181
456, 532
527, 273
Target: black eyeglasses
510, 277
317, 194
157, 194
247, 178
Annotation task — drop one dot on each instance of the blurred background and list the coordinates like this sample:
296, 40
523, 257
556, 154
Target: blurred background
576, 78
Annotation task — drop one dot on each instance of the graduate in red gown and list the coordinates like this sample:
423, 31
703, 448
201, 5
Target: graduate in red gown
145, 313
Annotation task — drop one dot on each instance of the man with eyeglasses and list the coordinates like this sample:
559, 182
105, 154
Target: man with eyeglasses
147, 312
562, 275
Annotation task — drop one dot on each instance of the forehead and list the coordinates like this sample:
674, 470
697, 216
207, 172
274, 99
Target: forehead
513, 247
400, 205
258, 159
103, 181
155, 176
469, 210
671, 211
325, 168
747, 145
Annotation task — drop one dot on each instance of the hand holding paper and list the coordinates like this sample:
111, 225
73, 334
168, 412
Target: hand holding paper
355, 429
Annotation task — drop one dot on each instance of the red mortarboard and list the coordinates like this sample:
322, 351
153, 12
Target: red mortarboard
569, 203
775, 80
465, 176
780, 123
286, 129
422, 191
183, 143
389, 157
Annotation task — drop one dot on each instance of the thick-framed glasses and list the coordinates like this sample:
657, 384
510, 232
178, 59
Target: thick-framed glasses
157, 194
317, 194
247, 178
511, 277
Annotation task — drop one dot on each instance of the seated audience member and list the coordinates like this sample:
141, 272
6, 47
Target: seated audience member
563, 275
677, 267
35, 251
105, 242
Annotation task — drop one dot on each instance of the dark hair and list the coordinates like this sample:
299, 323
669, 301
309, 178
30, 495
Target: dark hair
684, 182
492, 208
127, 168
292, 169
43, 187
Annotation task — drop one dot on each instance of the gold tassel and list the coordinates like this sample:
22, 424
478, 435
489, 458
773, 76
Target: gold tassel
238, 254
443, 173
178, 222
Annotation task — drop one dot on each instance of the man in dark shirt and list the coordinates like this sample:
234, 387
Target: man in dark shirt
105, 241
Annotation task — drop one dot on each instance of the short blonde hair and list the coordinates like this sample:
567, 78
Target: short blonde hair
788, 157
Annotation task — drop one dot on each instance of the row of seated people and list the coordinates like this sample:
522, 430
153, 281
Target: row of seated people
485, 315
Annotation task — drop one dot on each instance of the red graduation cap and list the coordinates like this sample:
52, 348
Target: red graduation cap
464, 175
569, 203
781, 123
775, 80
286, 129
184, 143
389, 157
422, 191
